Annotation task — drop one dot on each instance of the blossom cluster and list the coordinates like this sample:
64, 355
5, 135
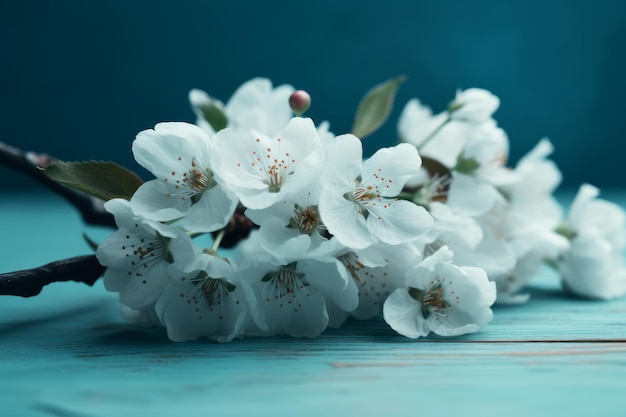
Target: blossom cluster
429, 232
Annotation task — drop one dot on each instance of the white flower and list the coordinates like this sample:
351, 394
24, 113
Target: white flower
292, 297
137, 256
262, 170
441, 297
358, 202
474, 105
293, 228
531, 218
376, 280
452, 227
178, 154
485, 154
593, 266
594, 216
417, 125
255, 105
206, 299
472, 196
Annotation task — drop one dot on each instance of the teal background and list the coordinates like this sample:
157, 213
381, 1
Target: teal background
80, 79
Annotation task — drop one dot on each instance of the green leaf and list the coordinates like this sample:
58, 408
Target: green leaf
466, 165
104, 180
214, 114
375, 107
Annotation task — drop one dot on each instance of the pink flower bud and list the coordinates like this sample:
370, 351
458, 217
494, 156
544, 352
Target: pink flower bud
299, 101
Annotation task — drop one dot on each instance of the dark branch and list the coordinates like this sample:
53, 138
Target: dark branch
30, 282
237, 229
29, 163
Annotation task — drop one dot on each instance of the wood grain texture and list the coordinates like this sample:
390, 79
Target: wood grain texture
68, 353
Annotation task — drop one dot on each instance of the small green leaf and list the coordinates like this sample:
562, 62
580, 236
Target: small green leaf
565, 231
466, 165
375, 107
214, 114
104, 180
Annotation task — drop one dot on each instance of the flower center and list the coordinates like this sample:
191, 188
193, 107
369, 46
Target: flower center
353, 265
364, 193
283, 284
276, 177
432, 300
435, 190
198, 180
213, 289
306, 219
153, 249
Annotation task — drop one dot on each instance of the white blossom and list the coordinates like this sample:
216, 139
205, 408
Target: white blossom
292, 297
255, 105
358, 202
208, 300
442, 298
474, 105
261, 170
178, 154
293, 228
594, 267
137, 256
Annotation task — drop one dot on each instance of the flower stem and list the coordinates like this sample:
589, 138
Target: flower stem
218, 240
433, 134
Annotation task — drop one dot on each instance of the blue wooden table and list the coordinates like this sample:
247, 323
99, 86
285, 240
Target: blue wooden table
67, 352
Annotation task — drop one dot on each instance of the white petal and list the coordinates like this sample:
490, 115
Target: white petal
343, 164
160, 201
443, 255
256, 105
285, 243
121, 211
212, 212
592, 269
417, 122
143, 286
390, 168
476, 105
310, 319
188, 315
330, 277
171, 147
470, 294
396, 222
343, 220
471, 196
300, 313
404, 315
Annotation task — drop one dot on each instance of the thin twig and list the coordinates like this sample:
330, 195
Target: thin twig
30, 163
30, 282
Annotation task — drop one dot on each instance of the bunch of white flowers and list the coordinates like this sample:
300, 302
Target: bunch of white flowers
428, 232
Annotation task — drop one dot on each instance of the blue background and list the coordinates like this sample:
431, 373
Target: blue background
80, 79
